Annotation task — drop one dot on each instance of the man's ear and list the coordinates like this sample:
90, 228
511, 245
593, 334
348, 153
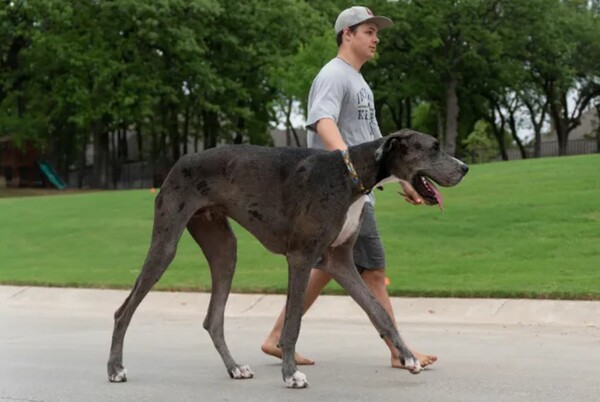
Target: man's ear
391, 142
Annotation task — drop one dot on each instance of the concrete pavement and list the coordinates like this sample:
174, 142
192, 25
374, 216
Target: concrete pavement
54, 345
426, 310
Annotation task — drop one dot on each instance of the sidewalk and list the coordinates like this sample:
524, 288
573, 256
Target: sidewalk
418, 310
54, 345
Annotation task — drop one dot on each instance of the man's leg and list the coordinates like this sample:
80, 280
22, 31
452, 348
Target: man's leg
375, 280
317, 281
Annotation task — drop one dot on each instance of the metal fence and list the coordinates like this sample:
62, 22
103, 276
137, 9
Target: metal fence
144, 175
129, 176
550, 148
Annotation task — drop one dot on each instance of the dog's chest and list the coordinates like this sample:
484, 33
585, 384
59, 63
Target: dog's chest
352, 221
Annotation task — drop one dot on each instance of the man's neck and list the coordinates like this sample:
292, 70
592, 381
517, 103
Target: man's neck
350, 58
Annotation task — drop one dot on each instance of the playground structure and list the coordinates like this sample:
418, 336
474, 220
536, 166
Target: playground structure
25, 167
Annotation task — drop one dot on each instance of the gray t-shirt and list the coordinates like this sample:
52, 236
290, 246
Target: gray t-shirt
340, 93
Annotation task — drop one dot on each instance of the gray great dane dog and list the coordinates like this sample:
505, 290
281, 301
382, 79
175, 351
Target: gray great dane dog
302, 203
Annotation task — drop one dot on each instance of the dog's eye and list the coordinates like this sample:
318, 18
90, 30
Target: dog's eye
436, 146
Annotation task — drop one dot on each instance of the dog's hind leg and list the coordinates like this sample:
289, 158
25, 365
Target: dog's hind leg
169, 223
213, 234
340, 265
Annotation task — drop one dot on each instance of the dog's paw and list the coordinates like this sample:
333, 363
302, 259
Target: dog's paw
118, 375
413, 365
241, 373
297, 380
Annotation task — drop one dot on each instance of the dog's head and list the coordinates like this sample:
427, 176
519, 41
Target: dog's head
418, 159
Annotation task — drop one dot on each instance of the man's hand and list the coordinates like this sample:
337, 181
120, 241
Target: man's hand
410, 194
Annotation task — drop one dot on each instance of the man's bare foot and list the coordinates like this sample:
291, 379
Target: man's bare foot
425, 360
273, 350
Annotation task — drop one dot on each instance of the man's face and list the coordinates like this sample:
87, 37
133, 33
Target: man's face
364, 41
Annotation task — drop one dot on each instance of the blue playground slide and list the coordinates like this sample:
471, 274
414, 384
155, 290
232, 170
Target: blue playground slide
52, 176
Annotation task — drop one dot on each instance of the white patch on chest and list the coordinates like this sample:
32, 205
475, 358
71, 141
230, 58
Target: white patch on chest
352, 221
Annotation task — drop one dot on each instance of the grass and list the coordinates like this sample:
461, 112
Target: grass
517, 229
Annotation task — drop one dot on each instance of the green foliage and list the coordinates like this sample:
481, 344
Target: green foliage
424, 118
506, 231
557, 42
73, 71
479, 144
297, 71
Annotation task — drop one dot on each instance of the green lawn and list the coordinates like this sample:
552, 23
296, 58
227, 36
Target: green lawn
516, 229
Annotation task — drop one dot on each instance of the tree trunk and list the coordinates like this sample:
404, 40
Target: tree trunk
174, 133
197, 129
295, 134
499, 132
210, 129
187, 117
123, 145
101, 154
563, 142
239, 132
114, 156
290, 126
120, 154
560, 121
560, 127
439, 124
140, 142
537, 126
63, 154
395, 113
81, 162
452, 111
154, 154
10, 62
513, 130
408, 110
162, 144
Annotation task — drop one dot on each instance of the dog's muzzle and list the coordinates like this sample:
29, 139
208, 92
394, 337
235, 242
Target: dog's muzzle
428, 191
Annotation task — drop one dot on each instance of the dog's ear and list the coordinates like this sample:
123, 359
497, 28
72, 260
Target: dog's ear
390, 143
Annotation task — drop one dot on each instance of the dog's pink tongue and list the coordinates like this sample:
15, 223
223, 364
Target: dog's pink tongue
437, 195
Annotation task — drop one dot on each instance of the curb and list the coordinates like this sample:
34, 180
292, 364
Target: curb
418, 310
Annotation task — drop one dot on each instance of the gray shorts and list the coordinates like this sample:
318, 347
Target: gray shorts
368, 249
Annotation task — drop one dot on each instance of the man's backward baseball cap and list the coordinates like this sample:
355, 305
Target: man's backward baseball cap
359, 15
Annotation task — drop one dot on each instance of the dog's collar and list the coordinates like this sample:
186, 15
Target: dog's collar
353, 175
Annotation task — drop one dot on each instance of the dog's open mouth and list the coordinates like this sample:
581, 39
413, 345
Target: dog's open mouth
427, 191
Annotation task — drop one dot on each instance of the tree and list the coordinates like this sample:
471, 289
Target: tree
537, 108
431, 53
559, 49
480, 147
251, 41
293, 76
15, 38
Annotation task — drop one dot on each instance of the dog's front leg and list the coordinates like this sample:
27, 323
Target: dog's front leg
299, 267
341, 267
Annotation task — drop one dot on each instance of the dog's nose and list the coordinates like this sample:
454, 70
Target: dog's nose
465, 168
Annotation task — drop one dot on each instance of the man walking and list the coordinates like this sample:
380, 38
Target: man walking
341, 113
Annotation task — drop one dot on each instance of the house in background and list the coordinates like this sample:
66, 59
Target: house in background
586, 130
286, 138
18, 166
582, 140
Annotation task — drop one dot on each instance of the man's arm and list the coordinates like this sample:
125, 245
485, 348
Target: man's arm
330, 134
